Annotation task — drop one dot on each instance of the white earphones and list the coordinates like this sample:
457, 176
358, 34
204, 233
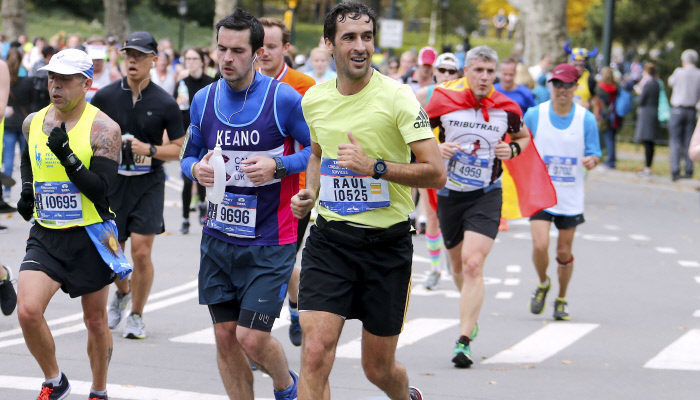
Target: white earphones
255, 57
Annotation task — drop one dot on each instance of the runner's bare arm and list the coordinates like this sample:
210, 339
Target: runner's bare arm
503, 151
105, 138
303, 202
165, 152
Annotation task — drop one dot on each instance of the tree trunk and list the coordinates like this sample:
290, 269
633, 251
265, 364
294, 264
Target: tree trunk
116, 19
14, 18
544, 28
221, 10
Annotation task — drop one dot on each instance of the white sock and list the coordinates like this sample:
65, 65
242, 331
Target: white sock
55, 381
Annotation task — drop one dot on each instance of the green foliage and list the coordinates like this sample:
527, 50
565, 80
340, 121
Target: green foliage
199, 11
647, 25
84, 8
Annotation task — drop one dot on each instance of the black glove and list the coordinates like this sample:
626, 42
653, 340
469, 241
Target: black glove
58, 143
25, 205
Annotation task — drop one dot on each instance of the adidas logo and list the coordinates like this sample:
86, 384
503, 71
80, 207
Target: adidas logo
422, 120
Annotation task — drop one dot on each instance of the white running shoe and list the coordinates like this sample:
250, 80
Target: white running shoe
135, 328
115, 312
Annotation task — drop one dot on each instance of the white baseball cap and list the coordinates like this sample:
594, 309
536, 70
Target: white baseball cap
96, 51
447, 60
70, 62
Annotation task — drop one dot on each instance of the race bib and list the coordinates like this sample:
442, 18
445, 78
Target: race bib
141, 165
235, 216
562, 170
345, 192
58, 203
467, 171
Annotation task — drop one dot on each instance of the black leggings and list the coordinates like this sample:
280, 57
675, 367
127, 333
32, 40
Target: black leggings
187, 195
648, 152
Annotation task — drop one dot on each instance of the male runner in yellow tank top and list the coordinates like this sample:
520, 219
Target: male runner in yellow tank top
71, 158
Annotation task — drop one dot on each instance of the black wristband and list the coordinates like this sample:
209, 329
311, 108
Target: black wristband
514, 149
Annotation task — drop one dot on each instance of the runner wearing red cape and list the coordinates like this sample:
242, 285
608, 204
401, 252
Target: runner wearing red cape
473, 120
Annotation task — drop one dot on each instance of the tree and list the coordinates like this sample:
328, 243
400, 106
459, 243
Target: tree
221, 10
116, 19
544, 27
14, 18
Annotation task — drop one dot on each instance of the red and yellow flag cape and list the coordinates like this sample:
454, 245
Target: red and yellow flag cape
527, 188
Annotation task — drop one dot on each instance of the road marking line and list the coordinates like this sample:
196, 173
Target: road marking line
520, 221
511, 281
513, 269
639, 237
689, 263
599, 237
504, 295
206, 335
697, 279
611, 227
421, 259
666, 250
696, 314
129, 392
79, 316
175, 184
413, 331
543, 344
683, 354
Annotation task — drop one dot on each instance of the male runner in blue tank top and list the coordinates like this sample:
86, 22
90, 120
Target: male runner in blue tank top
249, 240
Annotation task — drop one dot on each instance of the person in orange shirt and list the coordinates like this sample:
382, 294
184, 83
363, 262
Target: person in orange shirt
272, 63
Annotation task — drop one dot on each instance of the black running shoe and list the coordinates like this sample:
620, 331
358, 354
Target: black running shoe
8, 296
58, 392
6, 208
94, 396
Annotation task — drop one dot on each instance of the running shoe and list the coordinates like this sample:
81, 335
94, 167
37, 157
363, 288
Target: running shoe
462, 355
537, 300
290, 393
185, 228
8, 296
432, 280
414, 393
503, 225
3, 229
6, 208
7, 181
135, 328
58, 392
561, 309
294, 329
94, 396
115, 312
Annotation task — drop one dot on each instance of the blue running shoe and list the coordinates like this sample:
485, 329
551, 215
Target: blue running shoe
294, 329
58, 392
290, 393
462, 355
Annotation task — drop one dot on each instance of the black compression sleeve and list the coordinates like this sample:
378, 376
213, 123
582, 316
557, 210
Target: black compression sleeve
93, 182
25, 167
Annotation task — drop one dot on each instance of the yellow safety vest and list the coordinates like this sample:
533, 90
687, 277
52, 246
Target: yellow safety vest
58, 202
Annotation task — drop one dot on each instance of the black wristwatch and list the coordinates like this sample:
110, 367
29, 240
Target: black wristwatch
379, 168
280, 169
152, 151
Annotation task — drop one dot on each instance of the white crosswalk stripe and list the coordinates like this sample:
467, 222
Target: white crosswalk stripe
543, 344
413, 331
206, 335
683, 354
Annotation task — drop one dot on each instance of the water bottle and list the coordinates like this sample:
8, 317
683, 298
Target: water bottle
183, 92
215, 194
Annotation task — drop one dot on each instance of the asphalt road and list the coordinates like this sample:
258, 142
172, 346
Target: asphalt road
634, 301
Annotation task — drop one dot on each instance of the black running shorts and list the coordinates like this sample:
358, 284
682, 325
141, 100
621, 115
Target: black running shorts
560, 221
138, 203
69, 257
476, 211
358, 273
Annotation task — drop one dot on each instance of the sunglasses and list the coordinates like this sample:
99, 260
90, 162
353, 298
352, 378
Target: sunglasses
563, 85
447, 71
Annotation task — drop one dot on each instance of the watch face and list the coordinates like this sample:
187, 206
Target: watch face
380, 167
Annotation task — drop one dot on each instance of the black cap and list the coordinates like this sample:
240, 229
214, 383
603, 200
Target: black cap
141, 41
